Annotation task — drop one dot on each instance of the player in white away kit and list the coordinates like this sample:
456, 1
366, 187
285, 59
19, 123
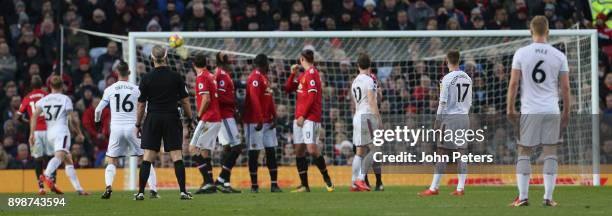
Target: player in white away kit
365, 121
122, 97
541, 69
453, 109
61, 120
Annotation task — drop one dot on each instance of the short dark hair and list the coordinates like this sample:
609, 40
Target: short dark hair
261, 61
363, 61
200, 60
308, 54
56, 82
453, 57
222, 59
123, 69
36, 82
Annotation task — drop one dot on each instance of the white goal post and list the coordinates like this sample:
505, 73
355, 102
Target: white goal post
589, 36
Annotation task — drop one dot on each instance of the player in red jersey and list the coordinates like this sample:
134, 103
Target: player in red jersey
228, 134
205, 135
259, 132
307, 119
41, 150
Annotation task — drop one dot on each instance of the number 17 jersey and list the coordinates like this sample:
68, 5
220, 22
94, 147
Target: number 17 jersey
540, 65
122, 97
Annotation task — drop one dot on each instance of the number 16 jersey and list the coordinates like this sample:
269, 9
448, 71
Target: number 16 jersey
122, 97
540, 65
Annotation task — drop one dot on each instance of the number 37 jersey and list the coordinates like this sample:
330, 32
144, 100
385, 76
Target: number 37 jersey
540, 65
122, 98
55, 108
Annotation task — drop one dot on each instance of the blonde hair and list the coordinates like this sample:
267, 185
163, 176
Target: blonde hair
56, 82
539, 25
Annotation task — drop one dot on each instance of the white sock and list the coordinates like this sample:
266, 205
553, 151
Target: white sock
71, 173
356, 168
461, 175
461, 183
53, 164
550, 176
435, 182
549, 186
523, 173
152, 179
522, 181
109, 174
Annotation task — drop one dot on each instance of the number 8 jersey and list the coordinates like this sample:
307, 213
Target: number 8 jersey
122, 97
540, 65
55, 107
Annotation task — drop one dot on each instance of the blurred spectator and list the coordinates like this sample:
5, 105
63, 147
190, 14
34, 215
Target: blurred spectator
519, 19
8, 63
402, 22
419, 13
606, 151
447, 12
476, 23
104, 63
608, 109
9, 145
388, 11
200, 19
84, 162
317, 16
99, 136
4, 159
10, 90
124, 24
98, 23
22, 160
500, 21
10, 112
76, 39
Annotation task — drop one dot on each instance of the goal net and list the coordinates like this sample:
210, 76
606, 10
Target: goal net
408, 67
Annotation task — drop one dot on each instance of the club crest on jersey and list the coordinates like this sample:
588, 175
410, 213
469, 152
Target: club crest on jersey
312, 83
255, 83
200, 86
221, 83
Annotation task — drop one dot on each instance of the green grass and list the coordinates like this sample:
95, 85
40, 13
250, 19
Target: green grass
394, 201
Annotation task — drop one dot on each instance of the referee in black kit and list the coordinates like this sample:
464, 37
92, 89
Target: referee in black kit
160, 90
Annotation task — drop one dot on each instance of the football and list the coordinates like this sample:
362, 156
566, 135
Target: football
175, 41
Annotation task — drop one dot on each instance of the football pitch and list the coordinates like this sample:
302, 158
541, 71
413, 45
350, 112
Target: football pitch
393, 201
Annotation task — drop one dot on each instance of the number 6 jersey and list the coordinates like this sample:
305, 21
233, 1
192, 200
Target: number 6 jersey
55, 107
540, 65
122, 97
